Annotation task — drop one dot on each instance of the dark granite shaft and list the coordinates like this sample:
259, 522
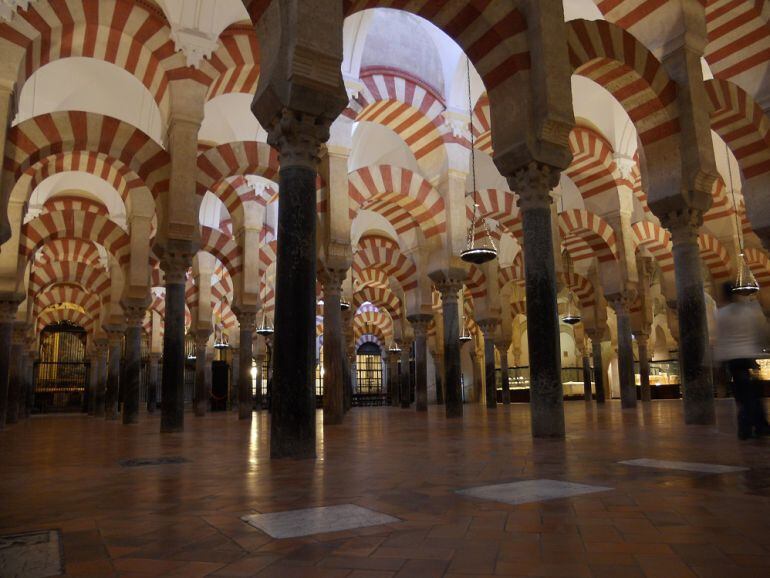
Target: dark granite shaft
201, 399
93, 383
596, 346
393, 379
421, 370
453, 394
132, 374
152, 387
625, 359
113, 381
644, 367
245, 393
405, 396
489, 373
292, 424
6, 334
333, 379
106, 376
14, 384
586, 377
546, 391
504, 372
172, 400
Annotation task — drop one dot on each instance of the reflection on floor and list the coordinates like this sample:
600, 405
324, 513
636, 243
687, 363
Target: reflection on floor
685, 466
184, 518
530, 491
309, 521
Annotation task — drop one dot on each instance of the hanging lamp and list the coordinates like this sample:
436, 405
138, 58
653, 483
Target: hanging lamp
220, 338
394, 348
479, 246
572, 316
745, 283
465, 335
344, 305
265, 328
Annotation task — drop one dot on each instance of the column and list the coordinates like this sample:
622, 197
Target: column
259, 358
235, 372
247, 318
133, 362
420, 324
152, 386
438, 359
174, 264
15, 376
201, 397
533, 185
453, 394
596, 346
697, 380
8, 309
622, 306
405, 395
642, 340
502, 348
488, 327
393, 378
115, 343
586, 376
297, 137
93, 382
24, 383
101, 377
30, 377
333, 401
348, 358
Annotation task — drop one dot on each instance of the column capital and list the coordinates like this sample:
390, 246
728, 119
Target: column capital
488, 326
683, 224
100, 346
332, 279
114, 335
297, 136
642, 338
595, 335
9, 306
135, 311
420, 322
246, 316
502, 345
175, 265
622, 302
533, 184
201, 338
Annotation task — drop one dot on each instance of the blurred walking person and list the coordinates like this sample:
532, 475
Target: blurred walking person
742, 338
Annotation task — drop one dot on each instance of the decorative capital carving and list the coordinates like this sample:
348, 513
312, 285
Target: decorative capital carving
449, 288
621, 302
135, 312
683, 224
533, 185
420, 322
114, 335
175, 264
642, 338
502, 345
201, 338
297, 137
9, 306
488, 326
247, 317
332, 279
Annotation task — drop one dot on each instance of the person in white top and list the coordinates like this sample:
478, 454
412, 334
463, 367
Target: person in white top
742, 338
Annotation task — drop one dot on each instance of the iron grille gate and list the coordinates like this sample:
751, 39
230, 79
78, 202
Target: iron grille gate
61, 374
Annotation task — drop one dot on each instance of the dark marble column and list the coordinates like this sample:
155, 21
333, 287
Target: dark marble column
115, 347
152, 386
587, 376
235, 372
644, 365
259, 358
23, 394
393, 388
622, 307
15, 376
488, 327
201, 397
29, 374
502, 348
93, 380
349, 353
247, 318
102, 347
420, 324
133, 369
596, 347
696, 375
533, 185
405, 395
8, 309
438, 360
453, 395
333, 347
175, 262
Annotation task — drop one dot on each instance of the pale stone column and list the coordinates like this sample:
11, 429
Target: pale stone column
420, 324
115, 343
488, 327
697, 379
642, 340
405, 396
533, 185
502, 348
453, 395
333, 347
135, 312
9, 305
152, 386
622, 306
15, 375
348, 357
102, 346
201, 397
247, 318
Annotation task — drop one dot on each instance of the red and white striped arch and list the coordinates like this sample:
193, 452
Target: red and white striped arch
376, 252
68, 293
36, 139
738, 34
381, 297
72, 203
476, 282
235, 158
58, 314
657, 241
158, 305
582, 287
76, 250
513, 273
492, 34
481, 125
759, 264
224, 248
375, 322
722, 205
370, 278
715, 256
235, 63
592, 168
587, 235
614, 59
369, 338
405, 198
75, 224
91, 279
499, 205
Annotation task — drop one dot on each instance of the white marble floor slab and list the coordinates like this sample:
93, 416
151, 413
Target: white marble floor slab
686, 466
296, 523
531, 491
31, 555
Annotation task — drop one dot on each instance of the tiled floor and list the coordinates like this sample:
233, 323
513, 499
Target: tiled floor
184, 519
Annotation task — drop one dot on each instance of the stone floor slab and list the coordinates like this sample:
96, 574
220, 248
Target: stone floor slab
30, 555
685, 466
307, 522
529, 491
